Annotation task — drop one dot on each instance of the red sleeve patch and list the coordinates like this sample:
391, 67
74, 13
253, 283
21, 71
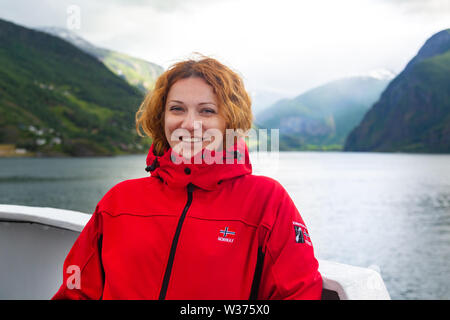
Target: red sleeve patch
301, 233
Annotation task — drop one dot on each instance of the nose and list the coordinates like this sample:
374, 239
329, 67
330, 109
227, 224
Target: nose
190, 122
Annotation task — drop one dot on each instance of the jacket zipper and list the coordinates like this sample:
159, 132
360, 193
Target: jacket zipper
173, 248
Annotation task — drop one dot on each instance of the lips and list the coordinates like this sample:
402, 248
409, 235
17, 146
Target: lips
194, 139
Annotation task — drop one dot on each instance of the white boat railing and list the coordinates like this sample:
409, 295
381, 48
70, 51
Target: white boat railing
34, 242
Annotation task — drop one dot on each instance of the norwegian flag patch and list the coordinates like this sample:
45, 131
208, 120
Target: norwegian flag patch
301, 233
225, 233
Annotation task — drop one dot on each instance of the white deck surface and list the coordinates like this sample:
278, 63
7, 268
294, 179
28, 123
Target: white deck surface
34, 242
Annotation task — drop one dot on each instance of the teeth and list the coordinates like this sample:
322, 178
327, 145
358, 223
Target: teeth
186, 139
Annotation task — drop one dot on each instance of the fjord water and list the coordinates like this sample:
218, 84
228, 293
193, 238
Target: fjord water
390, 212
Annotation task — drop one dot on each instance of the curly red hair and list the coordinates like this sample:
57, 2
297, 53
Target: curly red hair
234, 101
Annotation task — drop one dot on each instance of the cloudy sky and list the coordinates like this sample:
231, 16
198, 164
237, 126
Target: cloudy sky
278, 46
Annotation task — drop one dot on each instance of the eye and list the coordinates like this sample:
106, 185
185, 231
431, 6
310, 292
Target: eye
175, 108
208, 110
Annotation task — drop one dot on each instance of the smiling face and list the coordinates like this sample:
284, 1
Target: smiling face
192, 120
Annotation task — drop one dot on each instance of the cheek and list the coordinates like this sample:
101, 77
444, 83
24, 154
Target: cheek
213, 127
222, 125
217, 123
169, 127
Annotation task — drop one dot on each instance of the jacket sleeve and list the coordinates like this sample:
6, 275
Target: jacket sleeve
82, 271
290, 270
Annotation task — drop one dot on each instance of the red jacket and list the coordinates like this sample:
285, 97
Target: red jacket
194, 231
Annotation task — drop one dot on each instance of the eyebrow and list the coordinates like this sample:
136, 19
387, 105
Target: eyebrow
201, 103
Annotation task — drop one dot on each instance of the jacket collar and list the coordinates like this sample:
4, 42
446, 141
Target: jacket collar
207, 169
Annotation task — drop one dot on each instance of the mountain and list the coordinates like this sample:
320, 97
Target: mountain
137, 72
58, 100
413, 113
262, 99
321, 118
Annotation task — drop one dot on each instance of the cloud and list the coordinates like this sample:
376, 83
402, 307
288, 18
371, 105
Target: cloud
164, 5
425, 8
288, 46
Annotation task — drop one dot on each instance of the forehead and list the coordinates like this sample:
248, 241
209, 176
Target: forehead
191, 89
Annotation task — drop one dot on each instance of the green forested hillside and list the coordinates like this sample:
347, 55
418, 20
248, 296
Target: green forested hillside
413, 113
321, 118
139, 73
56, 99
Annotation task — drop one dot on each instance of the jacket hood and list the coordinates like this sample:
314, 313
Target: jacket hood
207, 169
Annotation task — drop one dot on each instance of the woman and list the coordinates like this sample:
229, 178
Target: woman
201, 226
